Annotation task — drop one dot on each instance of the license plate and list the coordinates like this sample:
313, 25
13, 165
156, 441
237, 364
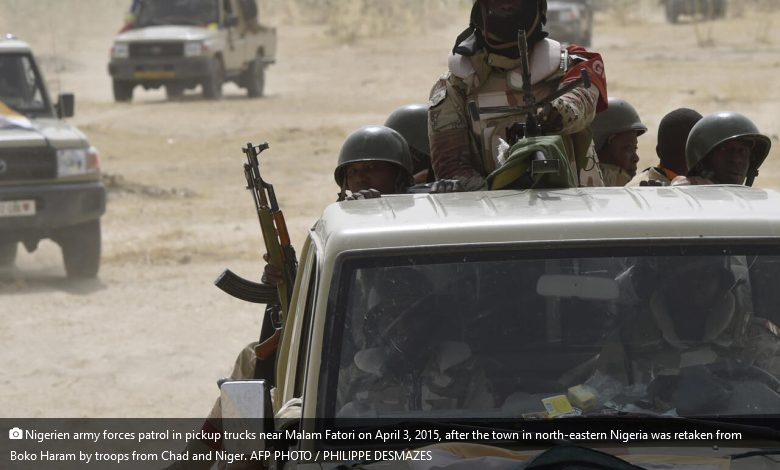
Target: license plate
154, 74
22, 208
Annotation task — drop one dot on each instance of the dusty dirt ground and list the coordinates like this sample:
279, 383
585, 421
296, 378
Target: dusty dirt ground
150, 337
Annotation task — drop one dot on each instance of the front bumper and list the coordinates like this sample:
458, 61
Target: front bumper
57, 206
154, 71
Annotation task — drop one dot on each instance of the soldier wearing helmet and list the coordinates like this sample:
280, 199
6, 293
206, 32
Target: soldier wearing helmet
411, 121
724, 148
374, 158
485, 68
692, 319
672, 136
615, 133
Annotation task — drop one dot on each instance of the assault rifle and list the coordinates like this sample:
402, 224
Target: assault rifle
529, 133
278, 247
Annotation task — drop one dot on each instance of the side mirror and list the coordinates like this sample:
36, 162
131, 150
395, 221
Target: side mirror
66, 105
246, 407
231, 21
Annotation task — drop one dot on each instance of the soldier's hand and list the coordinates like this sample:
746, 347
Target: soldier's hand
272, 275
552, 121
364, 194
447, 186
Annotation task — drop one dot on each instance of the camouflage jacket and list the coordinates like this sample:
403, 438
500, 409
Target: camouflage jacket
451, 379
614, 175
466, 150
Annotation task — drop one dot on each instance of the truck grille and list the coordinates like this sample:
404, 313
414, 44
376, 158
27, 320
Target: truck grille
157, 49
32, 163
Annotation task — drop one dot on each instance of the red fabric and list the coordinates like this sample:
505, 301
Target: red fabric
210, 428
595, 67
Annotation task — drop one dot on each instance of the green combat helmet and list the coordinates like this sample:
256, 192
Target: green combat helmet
376, 143
411, 121
717, 128
619, 117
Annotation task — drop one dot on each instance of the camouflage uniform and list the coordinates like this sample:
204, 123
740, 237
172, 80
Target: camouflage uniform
650, 345
450, 380
468, 151
614, 175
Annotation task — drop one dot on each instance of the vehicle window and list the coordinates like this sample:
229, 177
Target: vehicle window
20, 84
180, 12
482, 335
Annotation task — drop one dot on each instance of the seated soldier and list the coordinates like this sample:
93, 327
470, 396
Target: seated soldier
405, 356
697, 322
672, 135
411, 121
724, 148
615, 133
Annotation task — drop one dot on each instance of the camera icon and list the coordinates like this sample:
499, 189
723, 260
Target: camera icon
15, 433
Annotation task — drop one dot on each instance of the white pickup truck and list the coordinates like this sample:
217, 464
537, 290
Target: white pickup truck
180, 44
50, 184
553, 323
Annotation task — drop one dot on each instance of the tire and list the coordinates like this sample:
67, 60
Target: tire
80, 246
123, 91
174, 91
8, 254
255, 79
212, 85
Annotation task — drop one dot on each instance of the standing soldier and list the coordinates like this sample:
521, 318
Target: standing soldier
724, 148
672, 135
485, 68
615, 133
411, 121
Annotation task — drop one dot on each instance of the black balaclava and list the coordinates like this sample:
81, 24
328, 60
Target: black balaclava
498, 33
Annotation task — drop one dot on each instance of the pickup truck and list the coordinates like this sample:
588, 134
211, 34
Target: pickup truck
181, 44
570, 21
707, 9
50, 183
534, 318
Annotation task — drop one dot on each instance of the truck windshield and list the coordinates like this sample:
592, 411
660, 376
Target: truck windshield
21, 86
177, 12
538, 334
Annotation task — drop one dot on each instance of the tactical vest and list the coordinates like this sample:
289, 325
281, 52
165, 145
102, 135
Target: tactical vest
494, 80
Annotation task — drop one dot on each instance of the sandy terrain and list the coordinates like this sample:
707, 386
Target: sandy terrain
151, 336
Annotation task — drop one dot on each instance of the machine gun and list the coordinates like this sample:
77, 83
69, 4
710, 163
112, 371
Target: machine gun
280, 250
531, 155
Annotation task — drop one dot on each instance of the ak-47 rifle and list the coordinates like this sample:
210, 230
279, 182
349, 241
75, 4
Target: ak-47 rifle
525, 133
279, 249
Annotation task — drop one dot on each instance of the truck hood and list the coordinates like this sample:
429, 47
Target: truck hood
33, 133
167, 33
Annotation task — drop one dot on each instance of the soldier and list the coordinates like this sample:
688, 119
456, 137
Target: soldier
724, 148
615, 133
485, 68
672, 135
411, 121
374, 160
407, 353
693, 322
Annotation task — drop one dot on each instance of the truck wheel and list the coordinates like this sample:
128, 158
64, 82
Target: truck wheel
123, 91
255, 79
8, 254
174, 91
80, 246
212, 85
